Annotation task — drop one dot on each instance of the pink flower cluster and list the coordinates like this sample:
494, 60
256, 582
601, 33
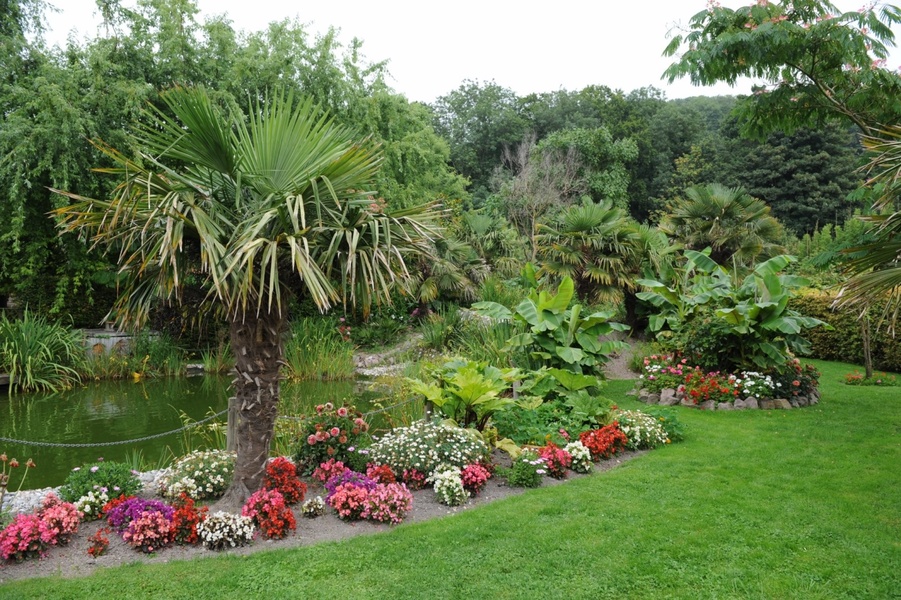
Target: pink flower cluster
29, 535
329, 469
150, 531
386, 502
474, 478
557, 460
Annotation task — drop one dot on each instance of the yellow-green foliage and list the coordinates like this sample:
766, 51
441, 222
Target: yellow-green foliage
844, 342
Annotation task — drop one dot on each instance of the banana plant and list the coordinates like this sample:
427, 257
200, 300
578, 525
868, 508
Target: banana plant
556, 334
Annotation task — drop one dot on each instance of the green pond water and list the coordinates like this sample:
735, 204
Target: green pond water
124, 410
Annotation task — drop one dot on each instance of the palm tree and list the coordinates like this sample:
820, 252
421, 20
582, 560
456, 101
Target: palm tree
252, 208
737, 227
591, 243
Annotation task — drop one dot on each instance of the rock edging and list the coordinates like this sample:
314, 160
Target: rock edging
673, 397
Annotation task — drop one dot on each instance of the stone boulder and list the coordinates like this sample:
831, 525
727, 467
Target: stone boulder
724, 406
782, 404
766, 404
708, 405
668, 397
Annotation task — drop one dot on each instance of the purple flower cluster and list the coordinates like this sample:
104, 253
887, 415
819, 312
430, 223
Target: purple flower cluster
351, 477
131, 509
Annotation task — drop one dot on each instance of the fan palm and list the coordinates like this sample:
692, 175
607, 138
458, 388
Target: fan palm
252, 208
592, 244
736, 226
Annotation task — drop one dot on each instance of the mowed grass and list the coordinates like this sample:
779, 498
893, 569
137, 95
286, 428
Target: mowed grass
754, 504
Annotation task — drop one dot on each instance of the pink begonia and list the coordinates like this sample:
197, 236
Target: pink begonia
388, 503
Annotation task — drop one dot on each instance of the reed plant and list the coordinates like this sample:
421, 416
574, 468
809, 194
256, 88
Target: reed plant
219, 359
317, 350
486, 342
439, 328
40, 354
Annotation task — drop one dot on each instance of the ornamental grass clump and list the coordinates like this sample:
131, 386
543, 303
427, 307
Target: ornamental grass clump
603, 443
102, 477
425, 445
281, 475
201, 474
270, 513
448, 485
642, 430
222, 530
581, 457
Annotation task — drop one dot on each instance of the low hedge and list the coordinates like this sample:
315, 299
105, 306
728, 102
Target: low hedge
844, 343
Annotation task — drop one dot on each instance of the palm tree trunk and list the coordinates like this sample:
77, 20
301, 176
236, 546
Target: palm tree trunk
256, 340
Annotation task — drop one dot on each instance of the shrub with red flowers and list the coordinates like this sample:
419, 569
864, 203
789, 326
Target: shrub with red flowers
604, 442
270, 513
131, 508
701, 387
474, 477
26, 537
329, 469
557, 460
149, 531
186, 518
281, 475
413, 479
109, 506
99, 542
380, 473
349, 501
388, 503
329, 434
61, 519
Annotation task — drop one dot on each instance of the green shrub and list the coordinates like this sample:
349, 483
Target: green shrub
439, 328
113, 478
40, 354
844, 342
425, 445
527, 471
380, 331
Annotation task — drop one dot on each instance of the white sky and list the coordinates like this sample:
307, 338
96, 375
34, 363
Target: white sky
432, 47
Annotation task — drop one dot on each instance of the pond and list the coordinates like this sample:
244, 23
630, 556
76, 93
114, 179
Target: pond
112, 411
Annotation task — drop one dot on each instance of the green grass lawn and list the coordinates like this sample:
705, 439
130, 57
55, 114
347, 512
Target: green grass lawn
754, 504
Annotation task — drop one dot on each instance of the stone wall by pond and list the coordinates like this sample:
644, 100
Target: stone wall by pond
672, 397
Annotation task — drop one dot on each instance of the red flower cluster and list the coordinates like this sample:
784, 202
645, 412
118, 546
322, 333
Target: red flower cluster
702, 387
269, 512
186, 519
380, 473
414, 479
281, 475
604, 442
99, 543
556, 459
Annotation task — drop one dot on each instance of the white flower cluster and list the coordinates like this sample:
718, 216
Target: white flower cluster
425, 445
91, 504
642, 430
314, 507
200, 474
448, 485
757, 385
223, 530
581, 457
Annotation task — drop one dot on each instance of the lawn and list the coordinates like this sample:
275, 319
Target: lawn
754, 504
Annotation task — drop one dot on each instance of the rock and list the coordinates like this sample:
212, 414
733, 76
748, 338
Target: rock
668, 397
709, 405
802, 400
766, 404
782, 403
653, 398
688, 402
814, 399
739, 404
794, 402
643, 395
751, 403
724, 406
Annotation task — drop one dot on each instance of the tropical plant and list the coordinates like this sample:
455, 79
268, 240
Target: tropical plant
468, 392
555, 333
591, 243
751, 318
737, 227
256, 208
39, 354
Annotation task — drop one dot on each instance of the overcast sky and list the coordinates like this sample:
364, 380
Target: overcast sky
433, 47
